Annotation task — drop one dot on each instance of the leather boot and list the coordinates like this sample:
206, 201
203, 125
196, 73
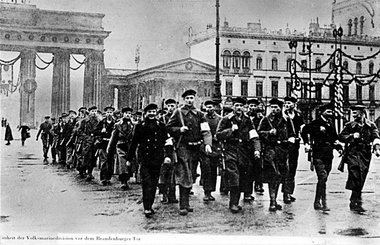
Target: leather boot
171, 195
287, 199
317, 200
356, 202
272, 196
182, 200
278, 206
234, 200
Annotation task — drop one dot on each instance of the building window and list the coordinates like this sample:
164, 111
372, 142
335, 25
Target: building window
274, 88
372, 92
318, 91
370, 68
288, 88
244, 87
259, 89
361, 25
246, 59
303, 65
259, 63
356, 26
359, 93
346, 90
236, 60
359, 68
349, 27
226, 59
274, 64
318, 64
228, 87
288, 64
345, 64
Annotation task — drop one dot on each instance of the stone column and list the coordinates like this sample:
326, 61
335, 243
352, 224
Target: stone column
94, 90
60, 99
28, 87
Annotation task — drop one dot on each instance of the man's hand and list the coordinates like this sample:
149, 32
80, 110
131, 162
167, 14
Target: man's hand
292, 140
234, 127
208, 149
104, 130
356, 135
307, 147
167, 160
257, 154
183, 129
128, 163
273, 131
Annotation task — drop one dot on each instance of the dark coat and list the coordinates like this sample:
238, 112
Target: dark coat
24, 132
105, 135
88, 129
8, 133
237, 149
358, 151
150, 137
275, 147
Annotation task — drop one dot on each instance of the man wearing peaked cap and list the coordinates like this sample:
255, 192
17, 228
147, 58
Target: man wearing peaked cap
150, 107
126, 109
291, 99
358, 135
253, 101
44, 130
209, 102
109, 108
189, 92
322, 135
47, 117
93, 108
170, 101
276, 101
239, 100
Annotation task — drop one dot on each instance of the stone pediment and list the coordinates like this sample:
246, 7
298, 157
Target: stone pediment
187, 65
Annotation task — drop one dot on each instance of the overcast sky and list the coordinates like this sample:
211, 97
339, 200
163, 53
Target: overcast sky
160, 26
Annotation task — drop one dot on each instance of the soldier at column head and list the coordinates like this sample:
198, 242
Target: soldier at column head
106, 160
295, 122
120, 141
240, 138
210, 164
321, 137
192, 135
166, 181
255, 119
154, 148
88, 130
275, 137
361, 137
44, 131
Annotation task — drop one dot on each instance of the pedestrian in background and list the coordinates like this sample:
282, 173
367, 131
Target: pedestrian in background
8, 134
45, 133
24, 133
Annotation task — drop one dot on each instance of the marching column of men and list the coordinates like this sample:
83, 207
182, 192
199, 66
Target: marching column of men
248, 146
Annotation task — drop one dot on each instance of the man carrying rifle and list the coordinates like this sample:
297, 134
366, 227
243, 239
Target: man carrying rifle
70, 146
240, 137
191, 132
358, 136
325, 139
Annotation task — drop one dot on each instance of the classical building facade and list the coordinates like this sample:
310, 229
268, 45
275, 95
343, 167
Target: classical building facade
136, 89
257, 63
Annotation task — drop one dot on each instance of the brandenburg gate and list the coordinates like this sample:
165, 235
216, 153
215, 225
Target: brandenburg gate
26, 29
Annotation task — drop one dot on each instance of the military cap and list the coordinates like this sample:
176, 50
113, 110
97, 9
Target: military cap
109, 108
150, 107
209, 102
328, 106
139, 113
93, 108
72, 111
170, 101
47, 117
189, 92
126, 109
253, 101
53, 118
82, 108
239, 100
64, 114
291, 99
358, 107
276, 101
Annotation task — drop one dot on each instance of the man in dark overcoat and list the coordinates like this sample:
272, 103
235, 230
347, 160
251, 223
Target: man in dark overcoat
240, 137
275, 137
120, 141
88, 130
44, 131
358, 135
154, 148
321, 137
191, 132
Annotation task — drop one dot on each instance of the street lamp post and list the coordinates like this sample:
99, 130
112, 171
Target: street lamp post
217, 97
338, 80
